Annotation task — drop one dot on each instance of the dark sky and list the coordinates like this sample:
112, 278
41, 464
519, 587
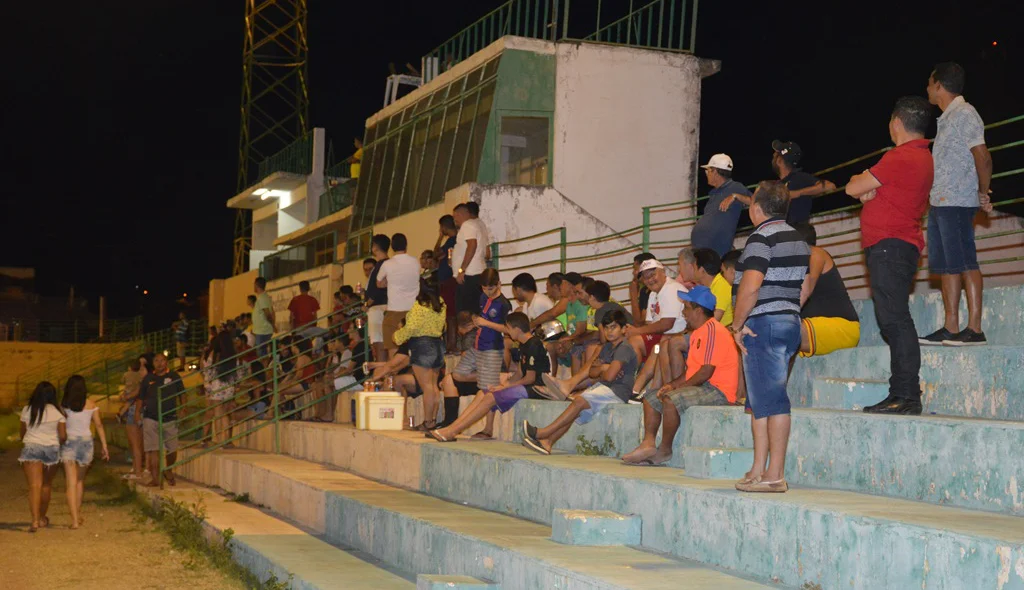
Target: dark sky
121, 117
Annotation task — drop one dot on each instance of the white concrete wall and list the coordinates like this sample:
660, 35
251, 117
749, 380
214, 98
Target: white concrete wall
323, 282
626, 128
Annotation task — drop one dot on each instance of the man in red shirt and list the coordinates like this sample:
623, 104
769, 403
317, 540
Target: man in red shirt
895, 195
303, 307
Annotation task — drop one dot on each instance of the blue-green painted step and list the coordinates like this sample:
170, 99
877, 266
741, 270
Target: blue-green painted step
1002, 316
595, 527
715, 462
973, 382
848, 394
614, 433
438, 582
835, 539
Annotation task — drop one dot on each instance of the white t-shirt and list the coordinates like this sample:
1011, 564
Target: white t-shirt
403, 274
45, 431
472, 229
666, 304
540, 304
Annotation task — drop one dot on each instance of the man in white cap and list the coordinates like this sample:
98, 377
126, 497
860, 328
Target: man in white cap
664, 318
717, 227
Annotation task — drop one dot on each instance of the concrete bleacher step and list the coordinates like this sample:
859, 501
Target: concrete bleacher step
434, 582
267, 546
834, 538
972, 382
416, 532
831, 538
595, 528
1002, 316
714, 462
848, 394
966, 462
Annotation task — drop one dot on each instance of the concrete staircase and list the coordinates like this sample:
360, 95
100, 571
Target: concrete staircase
876, 501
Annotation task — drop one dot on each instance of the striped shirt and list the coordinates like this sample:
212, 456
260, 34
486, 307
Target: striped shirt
779, 252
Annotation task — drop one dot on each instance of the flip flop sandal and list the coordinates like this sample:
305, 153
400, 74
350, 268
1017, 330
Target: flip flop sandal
535, 446
554, 389
482, 436
529, 429
436, 436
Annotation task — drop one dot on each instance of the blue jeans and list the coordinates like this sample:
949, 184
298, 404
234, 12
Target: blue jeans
261, 343
951, 247
766, 364
892, 265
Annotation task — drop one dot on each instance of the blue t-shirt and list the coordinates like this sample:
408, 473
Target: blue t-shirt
716, 229
495, 310
444, 268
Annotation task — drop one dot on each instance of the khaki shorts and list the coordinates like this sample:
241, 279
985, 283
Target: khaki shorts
375, 323
151, 436
392, 322
181, 347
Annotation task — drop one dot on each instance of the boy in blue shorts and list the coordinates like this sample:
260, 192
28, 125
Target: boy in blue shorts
524, 384
614, 368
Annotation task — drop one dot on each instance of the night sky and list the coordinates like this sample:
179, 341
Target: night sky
121, 118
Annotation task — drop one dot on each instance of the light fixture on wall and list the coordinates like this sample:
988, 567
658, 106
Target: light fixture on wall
265, 193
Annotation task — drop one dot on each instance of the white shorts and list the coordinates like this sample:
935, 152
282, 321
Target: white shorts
375, 323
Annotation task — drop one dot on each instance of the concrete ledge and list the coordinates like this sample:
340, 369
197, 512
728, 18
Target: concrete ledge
836, 539
432, 582
622, 424
594, 527
716, 463
267, 546
848, 394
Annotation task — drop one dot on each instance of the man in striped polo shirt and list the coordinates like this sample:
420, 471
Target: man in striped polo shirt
766, 323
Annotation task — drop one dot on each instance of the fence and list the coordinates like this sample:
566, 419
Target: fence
255, 390
665, 229
296, 158
661, 24
70, 331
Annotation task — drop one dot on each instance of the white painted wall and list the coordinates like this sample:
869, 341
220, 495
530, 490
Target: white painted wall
626, 128
323, 282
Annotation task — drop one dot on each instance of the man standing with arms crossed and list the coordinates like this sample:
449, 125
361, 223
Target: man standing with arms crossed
469, 256
963, 170
895, 195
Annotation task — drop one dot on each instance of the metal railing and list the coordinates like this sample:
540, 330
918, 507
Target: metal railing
312, 253
74, 331
661, 24
255, 389
661, 235
297, 158
338, 195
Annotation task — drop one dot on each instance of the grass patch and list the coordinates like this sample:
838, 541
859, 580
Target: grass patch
183, 523
589, 447
240, 498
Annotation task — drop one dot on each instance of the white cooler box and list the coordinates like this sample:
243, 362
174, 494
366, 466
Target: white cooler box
380, 410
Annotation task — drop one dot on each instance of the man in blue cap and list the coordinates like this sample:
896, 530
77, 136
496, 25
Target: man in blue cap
712, 374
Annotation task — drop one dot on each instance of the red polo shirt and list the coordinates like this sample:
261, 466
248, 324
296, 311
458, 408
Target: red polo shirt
906, 175
303, 308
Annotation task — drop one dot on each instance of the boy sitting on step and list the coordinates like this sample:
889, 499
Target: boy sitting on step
712, 370
614, 368
524, 383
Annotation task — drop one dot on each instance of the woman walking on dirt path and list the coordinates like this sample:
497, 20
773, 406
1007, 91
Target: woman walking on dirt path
77, 452
42, 432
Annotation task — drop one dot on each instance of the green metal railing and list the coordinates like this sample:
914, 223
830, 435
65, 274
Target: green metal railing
77, 331
261, 396
643, 238
165, 340
312, 253
297, 158
661, 24
336, 197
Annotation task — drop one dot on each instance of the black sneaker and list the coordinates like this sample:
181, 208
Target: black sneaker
636, 398
967, 337
896, 405
937, 337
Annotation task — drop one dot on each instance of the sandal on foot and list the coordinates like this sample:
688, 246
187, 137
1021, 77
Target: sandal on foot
765, 487
747, 479
554, 388
437, 436
534, 445
483, 436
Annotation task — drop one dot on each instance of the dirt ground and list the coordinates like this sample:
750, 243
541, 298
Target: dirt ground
116, 548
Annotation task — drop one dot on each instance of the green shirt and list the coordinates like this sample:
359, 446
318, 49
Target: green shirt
261, 326
576, 311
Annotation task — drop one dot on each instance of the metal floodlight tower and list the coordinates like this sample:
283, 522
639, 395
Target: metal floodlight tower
275, 100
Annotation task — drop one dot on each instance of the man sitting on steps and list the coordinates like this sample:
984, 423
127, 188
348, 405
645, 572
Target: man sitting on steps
712, 373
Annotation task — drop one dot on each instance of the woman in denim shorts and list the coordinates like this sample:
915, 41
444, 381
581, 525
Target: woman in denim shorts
77, 452
42, 432
424, 326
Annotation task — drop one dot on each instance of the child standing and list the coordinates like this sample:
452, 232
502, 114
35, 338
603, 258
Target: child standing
484, 360
43, 430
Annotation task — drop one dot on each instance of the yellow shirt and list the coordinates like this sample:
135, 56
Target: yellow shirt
357, 163
722, 291
422, 320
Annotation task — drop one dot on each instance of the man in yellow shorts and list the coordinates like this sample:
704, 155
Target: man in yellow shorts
828, 320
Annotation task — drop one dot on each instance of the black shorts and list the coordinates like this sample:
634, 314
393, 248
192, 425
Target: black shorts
467, 294
466, 387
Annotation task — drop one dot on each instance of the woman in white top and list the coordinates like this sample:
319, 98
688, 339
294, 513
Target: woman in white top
77, 453
42, 433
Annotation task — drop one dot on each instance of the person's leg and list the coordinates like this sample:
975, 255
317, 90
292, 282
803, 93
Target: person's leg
550, 434
805, 338
892, 265
675, 360
427, 379
669, 426
951, 287
652, 423
972, 278
778, 441
71, 490
34, 476
49, 472
974, 283
759, 430
647, 371
481, 406
80, 484
135, 442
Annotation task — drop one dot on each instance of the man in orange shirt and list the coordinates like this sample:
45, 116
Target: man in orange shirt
712, 374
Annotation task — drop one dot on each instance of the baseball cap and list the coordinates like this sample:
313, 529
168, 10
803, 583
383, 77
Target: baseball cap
700, 295
789, 151
650, 265
719, 161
